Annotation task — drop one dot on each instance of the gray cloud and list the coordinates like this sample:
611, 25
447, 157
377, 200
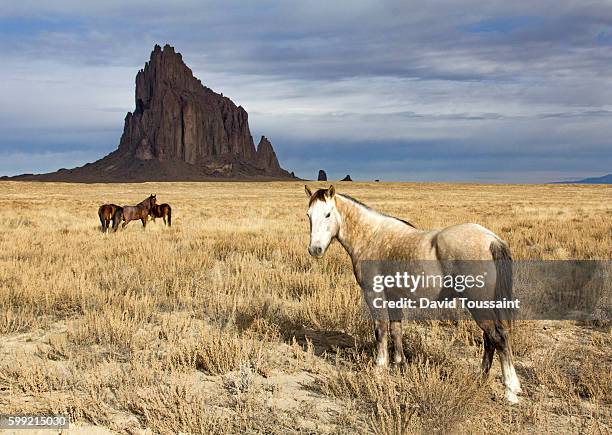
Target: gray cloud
526, 85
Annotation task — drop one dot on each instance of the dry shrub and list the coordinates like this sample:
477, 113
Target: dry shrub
423, 397
588, 378
19, 223
427, 341
34, 377
16, 320
594, 379
523, 338
215, 352
108, 327
174, 408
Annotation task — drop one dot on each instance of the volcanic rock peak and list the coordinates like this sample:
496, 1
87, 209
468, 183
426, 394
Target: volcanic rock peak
177, 118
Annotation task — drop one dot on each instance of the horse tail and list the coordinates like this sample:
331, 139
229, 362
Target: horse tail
503, 281
169, 216
101, 216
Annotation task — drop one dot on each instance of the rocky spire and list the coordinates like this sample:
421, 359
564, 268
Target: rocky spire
177, 118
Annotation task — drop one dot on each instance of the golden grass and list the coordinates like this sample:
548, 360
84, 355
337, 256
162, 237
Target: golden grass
224, 324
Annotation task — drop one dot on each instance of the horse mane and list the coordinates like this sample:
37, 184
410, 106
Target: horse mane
356, 201
319, 195
143, 201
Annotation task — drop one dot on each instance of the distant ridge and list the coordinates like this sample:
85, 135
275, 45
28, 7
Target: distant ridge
180, 130
606, 179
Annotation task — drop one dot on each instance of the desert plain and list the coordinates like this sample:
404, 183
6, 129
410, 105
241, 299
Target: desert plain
224, 324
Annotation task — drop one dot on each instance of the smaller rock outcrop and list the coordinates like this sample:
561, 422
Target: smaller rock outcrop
266, 157
322, 175
347, 178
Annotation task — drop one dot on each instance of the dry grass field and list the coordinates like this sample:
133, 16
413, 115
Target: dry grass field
224, 323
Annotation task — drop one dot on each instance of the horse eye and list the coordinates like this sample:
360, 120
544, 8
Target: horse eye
327, 215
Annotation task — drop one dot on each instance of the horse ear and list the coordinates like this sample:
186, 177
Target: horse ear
308, 192
331, 192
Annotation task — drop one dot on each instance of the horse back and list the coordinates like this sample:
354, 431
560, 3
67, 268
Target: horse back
160, 210
465, 242
107, 210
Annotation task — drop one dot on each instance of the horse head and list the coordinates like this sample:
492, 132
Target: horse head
149, 203
324, 220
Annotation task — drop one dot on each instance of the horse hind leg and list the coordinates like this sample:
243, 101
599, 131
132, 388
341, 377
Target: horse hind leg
488, 353
501, 339
102, 223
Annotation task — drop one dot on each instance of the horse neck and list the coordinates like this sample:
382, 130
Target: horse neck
358, 226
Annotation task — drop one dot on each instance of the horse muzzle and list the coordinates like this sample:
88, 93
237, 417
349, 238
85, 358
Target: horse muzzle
316, 251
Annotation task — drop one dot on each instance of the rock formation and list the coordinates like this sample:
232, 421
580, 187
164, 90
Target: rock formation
322, 175
180, 130
347, 178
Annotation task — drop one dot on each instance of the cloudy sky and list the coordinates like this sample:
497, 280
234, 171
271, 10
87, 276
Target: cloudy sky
443, 90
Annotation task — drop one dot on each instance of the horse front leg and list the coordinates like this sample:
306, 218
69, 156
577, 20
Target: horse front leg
381, 328
396, 337
380, 316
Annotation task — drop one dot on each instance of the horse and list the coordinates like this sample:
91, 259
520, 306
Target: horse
161, 211
367, 235
108, 213
139, 211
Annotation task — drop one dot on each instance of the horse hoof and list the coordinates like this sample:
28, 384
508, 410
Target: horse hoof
514, 386
511, 397
382, 362
398, 359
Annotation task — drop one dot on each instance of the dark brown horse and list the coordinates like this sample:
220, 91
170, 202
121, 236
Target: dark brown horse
108, 213
161, 211
139, 211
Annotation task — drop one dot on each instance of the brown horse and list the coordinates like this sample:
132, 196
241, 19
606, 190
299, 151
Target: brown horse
108, 213
139, 211
369, 235
161, 211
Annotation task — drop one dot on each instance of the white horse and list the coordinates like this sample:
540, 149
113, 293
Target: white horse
367, 235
